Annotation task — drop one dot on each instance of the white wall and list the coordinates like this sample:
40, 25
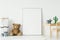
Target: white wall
13, 8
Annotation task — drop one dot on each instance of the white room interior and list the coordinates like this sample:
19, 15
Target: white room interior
13, 10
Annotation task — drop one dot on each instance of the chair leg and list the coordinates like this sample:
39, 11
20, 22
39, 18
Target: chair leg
50, 32
57, 35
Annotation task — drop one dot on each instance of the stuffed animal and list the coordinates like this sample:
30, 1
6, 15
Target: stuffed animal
16, 30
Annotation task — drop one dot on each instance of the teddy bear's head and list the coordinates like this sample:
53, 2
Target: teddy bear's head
16, 26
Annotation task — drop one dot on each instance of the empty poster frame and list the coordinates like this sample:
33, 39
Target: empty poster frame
25, 16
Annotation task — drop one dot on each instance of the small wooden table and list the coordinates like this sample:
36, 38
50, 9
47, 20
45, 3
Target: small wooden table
57, 29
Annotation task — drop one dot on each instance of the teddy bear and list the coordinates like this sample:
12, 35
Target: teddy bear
16, 30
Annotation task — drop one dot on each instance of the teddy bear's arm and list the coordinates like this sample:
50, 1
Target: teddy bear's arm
19, 34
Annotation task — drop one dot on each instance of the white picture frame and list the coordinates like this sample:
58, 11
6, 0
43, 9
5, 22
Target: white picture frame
28, 27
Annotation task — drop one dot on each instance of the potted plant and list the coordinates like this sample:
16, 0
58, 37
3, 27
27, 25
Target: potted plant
55, 19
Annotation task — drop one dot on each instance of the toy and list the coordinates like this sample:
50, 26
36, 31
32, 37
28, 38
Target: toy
16, 30
49, 21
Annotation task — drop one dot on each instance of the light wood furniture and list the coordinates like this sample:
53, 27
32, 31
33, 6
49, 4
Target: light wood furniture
57, 29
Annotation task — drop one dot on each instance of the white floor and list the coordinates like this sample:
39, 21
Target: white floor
24, 38
29, 38
53, 38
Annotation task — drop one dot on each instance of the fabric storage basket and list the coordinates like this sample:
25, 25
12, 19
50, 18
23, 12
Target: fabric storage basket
4, 26
5, 21
4, 31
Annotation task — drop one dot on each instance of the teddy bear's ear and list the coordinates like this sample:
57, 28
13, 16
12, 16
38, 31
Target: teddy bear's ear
19, 24
13, 23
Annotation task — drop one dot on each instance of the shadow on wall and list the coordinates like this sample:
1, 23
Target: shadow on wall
10, 24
